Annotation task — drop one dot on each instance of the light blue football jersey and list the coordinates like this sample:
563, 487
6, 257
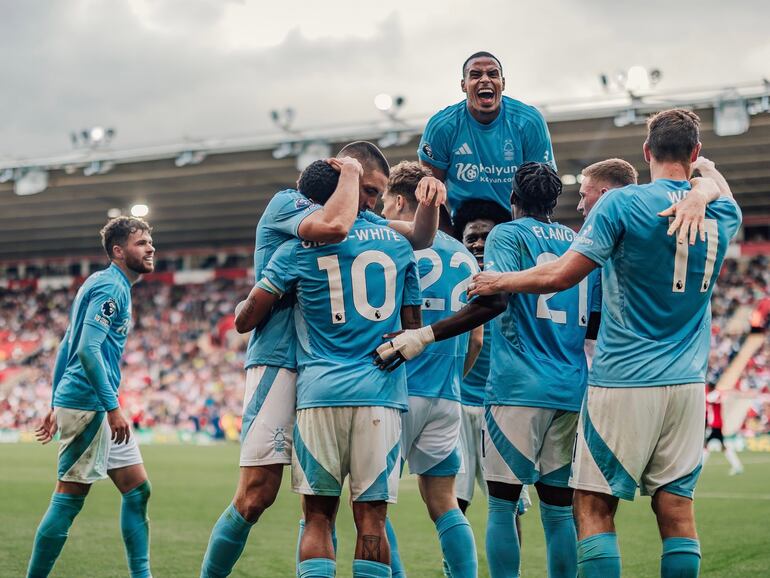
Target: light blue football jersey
480, 160
274, 341
474, 384
445, 268
103, 302
348, 295
537, 356
656, 312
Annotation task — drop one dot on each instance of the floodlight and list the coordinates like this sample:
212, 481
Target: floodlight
140, 210
568, 179
383, 102
114, 212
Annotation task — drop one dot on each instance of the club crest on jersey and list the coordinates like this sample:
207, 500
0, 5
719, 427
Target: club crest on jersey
302, 203
427, 150
508, 150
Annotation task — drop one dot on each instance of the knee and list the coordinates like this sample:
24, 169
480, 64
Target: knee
255, 500
554, 496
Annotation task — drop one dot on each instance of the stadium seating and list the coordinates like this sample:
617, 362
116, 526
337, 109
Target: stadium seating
183, 365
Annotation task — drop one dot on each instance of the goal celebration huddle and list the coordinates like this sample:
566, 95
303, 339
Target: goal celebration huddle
431, 318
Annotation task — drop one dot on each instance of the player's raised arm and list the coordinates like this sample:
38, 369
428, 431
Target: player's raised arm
688, 215
431, 194
332, 223
440, 174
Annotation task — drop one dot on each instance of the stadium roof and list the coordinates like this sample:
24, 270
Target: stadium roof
215, 200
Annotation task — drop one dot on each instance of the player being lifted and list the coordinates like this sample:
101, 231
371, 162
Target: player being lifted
537, 378
476, 145
348, 412
431, 427
270, 395
96, 440
642, 419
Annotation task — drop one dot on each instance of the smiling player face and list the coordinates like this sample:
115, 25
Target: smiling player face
483, 85
139, 253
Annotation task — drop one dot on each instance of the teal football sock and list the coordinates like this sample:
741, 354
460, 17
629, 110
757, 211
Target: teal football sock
317, 568
228, 538
457, 544
680, 559
368, 569
396, 567
560, 540
503, 553
52, 533
135, 527
599, 556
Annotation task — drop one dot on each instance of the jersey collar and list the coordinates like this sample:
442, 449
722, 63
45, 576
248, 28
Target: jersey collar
120, 272
482, 126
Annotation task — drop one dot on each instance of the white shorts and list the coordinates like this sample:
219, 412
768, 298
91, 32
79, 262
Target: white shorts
332, 443
430, 436
471, 430
528, 445
86, 452
269, 409
646, 436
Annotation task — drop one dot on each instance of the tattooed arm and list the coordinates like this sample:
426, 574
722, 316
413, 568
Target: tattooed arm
251, 311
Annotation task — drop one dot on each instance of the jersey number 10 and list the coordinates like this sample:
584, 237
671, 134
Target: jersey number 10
331, 264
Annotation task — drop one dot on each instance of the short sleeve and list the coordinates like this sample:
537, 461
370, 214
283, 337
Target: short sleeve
282, 270
412, 294
287, 211
603, 229
374, 218
501, 251
537, 141
435, 145
106, 302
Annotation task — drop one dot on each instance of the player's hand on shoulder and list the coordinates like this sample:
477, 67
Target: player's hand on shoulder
430, 192
47, 429
485, 283
402, 346
119, 428
690, 213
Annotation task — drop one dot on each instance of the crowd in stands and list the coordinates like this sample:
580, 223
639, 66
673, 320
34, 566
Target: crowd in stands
183, 365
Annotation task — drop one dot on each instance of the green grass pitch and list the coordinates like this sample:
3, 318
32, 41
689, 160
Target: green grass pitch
192, 485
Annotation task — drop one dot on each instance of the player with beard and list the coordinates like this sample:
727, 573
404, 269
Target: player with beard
476, 145
96, 439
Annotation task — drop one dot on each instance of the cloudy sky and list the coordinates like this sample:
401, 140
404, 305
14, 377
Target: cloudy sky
160, 71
